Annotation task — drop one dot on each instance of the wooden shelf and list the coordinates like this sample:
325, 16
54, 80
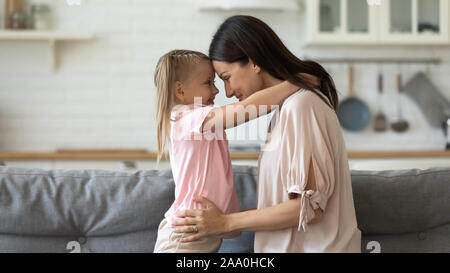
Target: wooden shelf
147, 155
52, 37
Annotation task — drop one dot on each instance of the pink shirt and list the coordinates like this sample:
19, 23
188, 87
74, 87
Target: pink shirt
200, 163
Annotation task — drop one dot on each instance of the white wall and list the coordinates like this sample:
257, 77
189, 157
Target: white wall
103, 95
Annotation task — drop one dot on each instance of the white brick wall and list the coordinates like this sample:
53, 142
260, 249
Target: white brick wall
103, 95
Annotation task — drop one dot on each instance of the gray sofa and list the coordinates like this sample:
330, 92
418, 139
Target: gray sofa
107, 211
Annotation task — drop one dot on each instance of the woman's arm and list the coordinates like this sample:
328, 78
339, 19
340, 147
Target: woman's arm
211, 221
256, 105
281, 216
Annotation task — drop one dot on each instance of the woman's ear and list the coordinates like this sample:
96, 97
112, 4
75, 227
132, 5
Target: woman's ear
254, 67
178, 90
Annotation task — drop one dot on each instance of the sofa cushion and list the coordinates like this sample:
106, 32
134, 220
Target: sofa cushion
110, 211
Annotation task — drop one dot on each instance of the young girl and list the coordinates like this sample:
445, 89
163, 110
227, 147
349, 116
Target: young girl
198, 147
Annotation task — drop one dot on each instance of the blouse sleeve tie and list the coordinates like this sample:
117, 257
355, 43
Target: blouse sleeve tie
311, 200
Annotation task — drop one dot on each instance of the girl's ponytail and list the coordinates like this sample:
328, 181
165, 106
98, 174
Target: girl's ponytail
164, 76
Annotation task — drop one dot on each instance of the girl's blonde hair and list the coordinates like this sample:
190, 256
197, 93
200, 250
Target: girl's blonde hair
173, 66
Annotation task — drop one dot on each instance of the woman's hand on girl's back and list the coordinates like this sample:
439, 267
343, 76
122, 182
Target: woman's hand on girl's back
209, 221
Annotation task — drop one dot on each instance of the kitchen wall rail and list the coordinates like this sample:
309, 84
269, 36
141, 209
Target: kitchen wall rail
373, 60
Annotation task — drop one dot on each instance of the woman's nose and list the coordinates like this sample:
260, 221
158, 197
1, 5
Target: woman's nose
229, 91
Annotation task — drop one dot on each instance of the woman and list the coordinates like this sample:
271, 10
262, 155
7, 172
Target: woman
305, 199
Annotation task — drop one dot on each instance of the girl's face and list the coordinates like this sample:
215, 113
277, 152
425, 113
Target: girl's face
240, 81
199, 85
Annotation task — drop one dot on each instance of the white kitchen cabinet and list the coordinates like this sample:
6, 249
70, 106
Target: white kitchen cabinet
414, 21
341, 21
406, 22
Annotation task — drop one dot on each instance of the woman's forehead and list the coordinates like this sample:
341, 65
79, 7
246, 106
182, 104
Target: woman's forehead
223, 67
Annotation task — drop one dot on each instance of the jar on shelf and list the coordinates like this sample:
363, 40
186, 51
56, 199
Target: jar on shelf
40, 17
12, 7
17, 20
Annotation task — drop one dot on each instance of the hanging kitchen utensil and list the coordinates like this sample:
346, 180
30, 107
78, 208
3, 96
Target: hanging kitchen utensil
380, 124
401, 125
429, 99
353, 113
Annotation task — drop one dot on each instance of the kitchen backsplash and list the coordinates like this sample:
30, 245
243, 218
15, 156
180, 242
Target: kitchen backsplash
102, 95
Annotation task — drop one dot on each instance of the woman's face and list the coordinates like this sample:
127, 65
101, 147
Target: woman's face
240, 81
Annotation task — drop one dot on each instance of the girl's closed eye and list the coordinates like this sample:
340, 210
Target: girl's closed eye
210, 82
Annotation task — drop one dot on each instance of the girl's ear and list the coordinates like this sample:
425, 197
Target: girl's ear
178, 89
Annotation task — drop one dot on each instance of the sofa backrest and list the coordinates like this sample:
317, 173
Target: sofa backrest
405, 210
108, 211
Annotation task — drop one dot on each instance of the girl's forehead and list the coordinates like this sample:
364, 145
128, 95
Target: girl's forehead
206, 65
202, 69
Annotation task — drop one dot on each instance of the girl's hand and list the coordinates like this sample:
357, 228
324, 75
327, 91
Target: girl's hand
209, 221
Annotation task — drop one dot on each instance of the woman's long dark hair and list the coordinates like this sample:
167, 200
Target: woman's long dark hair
241, 38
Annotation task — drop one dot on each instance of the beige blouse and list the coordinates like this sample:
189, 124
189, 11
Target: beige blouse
306, 131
